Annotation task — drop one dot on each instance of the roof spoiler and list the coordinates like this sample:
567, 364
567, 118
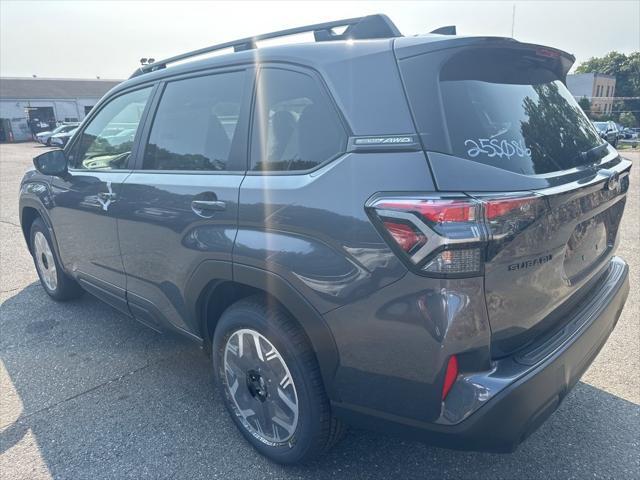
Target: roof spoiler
448, 30
358, 28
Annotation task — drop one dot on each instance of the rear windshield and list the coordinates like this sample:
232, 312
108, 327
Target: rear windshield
601, 126
501, 107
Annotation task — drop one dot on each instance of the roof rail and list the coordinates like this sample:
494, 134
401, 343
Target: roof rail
358, 28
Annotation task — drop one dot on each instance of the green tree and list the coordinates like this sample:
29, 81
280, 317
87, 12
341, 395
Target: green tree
626, 69
555, 129
585, 105
627, 119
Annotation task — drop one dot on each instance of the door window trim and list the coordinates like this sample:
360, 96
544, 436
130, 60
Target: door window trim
239, 140
95, 111
324, 91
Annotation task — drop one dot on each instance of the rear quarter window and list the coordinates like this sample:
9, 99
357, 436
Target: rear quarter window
295, 126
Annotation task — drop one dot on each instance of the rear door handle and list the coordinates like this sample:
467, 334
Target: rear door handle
201, 207
216, 205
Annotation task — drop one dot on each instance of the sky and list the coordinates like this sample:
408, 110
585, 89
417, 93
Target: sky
85, 39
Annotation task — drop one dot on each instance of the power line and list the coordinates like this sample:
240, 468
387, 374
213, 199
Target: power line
607, 98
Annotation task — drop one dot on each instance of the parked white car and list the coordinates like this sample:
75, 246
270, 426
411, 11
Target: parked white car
61, 139
45, 137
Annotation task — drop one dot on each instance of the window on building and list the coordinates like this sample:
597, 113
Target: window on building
295, 126
195, 123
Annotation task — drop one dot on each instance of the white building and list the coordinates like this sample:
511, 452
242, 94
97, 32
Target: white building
598, 88
36, 104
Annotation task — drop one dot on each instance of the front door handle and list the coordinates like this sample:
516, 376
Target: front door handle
206, 208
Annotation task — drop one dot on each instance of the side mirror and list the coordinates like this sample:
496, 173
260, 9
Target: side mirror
53, 162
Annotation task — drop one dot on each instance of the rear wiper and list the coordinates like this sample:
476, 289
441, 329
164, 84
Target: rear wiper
593, 153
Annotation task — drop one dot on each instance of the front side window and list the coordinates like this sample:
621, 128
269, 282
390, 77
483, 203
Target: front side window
195, 123
107, 140
295, 127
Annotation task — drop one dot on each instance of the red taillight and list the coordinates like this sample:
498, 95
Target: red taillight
506, 216
447, 235
405, 236
450, 376
498, 208
436, 210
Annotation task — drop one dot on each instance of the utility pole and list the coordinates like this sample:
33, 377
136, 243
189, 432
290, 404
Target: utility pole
513, 19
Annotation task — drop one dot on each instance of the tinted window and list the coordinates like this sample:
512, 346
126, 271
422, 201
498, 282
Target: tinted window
195, 123
295, 127
107, 140
501, 107
601, 126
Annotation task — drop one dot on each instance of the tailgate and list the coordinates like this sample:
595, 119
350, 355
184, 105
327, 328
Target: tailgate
535, 278
498, 124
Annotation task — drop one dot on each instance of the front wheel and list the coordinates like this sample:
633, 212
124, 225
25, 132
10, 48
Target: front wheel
53, 279
270, 382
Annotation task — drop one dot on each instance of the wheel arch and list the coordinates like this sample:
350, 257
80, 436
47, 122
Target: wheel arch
227, 283
30, 209
27, 216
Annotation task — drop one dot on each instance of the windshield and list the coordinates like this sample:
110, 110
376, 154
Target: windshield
600, 126
508, 109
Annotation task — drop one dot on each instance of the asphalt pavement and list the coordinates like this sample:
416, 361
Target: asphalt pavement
86, 393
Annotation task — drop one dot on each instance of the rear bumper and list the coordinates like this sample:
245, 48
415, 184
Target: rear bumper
516, 397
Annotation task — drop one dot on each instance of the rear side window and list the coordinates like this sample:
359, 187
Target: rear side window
295, 126
502, 107
195, 123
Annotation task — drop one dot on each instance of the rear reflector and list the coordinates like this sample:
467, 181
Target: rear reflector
450, 376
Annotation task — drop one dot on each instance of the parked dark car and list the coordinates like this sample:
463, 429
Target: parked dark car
608, 131
411, 234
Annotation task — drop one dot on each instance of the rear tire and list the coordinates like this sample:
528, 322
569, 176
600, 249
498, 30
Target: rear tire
53, 279
276, 396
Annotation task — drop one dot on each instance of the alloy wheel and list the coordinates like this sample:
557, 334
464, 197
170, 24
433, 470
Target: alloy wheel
260, 387
45, 261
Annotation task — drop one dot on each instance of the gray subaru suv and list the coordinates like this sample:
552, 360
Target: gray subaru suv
410, 234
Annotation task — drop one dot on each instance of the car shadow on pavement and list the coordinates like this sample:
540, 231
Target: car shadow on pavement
104, 397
